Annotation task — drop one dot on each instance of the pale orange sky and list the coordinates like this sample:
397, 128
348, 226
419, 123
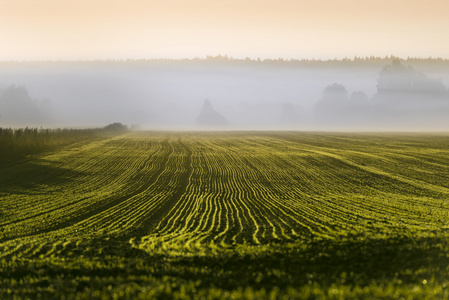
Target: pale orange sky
121, 29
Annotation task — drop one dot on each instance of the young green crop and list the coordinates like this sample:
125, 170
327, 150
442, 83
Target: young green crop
228, 214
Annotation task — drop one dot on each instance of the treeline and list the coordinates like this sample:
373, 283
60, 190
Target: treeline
18, 143
227, 60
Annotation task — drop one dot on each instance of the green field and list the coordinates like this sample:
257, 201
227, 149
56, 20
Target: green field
228, 215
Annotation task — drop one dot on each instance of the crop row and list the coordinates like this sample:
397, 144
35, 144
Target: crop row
165, 191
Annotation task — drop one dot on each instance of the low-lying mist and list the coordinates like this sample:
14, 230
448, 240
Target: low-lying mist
218, 93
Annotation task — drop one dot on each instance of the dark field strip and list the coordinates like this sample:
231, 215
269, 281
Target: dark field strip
229, 214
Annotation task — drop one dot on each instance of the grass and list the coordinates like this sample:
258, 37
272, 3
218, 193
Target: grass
229, 215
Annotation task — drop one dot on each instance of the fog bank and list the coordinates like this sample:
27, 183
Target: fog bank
387, 94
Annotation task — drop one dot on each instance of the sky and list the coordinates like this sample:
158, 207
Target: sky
146, 29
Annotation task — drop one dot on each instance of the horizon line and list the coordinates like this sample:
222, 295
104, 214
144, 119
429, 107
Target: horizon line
220, 57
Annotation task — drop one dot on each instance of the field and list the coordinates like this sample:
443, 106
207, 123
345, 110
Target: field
228, 215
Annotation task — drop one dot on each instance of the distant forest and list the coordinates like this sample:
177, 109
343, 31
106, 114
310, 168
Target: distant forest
224, 59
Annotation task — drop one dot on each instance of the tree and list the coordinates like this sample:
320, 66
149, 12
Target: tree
336, 108
18, 108
333, 102
209, 116
399, 79
406, 97
115, 127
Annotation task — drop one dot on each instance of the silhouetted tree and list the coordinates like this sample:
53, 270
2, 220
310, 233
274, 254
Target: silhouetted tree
115, 127
330, 108
405, 96
18, 108
397, 80
209, 116
360, 108
289, 114
336, 108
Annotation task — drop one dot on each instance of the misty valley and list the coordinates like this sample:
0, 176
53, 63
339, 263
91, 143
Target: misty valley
372, 94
